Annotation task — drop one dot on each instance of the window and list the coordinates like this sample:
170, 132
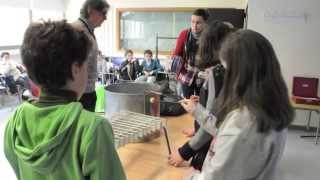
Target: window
14, 22
137, 28
46, 15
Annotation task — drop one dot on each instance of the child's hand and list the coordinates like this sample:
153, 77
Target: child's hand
175, 159
195, 98
188, 105
188, 132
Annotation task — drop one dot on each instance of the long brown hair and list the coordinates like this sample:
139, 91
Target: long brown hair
253, 79
210, 41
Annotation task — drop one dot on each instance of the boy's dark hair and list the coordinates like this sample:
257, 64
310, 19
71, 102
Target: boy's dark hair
127, 52
4, 53
148, 51
201, 12
211, 39
49, 49
253, 79
98, 5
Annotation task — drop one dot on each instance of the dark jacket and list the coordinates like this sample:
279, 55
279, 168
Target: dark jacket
129, 71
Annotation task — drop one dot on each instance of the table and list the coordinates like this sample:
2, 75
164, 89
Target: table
310, 108
145, 161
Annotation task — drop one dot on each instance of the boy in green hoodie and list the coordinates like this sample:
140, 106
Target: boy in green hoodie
54, 137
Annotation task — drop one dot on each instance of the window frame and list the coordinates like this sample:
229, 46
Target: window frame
119, 11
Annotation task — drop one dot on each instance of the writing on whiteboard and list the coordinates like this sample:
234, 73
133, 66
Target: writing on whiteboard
285, 16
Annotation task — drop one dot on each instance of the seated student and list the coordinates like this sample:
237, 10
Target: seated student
129, 69
249, 127
54, 137
10, 72
150, 68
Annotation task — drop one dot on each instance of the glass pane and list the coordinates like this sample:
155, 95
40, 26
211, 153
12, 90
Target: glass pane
14, 23
46, 15
138, 30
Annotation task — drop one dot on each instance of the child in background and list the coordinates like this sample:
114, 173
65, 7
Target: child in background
10, 72
129, 69
150, 68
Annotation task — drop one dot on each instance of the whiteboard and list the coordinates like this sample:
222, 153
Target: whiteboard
293, 27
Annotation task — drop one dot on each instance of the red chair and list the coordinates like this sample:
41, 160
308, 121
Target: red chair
305, 90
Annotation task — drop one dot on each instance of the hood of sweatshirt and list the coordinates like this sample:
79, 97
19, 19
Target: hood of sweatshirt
41, 135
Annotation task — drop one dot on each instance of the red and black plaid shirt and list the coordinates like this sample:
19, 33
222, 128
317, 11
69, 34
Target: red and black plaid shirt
186, 72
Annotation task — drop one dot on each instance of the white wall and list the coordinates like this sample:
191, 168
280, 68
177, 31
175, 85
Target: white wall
293, 27
15, 3
73, 9
58, 5
106, 34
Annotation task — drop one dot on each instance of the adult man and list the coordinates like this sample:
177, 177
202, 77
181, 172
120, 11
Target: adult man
186, 50
92, 14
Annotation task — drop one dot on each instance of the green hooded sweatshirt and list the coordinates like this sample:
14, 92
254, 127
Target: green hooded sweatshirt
61, 142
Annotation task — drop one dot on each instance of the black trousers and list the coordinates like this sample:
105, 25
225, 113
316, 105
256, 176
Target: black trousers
194, 89
201, 154
88, 101
11, 84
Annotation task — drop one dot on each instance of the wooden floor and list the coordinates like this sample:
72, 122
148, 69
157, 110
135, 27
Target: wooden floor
148, 161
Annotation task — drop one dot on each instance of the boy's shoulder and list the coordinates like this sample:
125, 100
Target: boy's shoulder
91, 124
87, 117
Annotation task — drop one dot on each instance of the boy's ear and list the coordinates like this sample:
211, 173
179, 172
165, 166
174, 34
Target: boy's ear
75, 68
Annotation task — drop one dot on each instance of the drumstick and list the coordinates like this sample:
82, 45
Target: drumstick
167, 139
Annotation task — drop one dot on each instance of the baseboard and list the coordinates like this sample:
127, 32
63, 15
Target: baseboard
302, 128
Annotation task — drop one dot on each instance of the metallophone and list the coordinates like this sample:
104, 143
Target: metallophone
132, 127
